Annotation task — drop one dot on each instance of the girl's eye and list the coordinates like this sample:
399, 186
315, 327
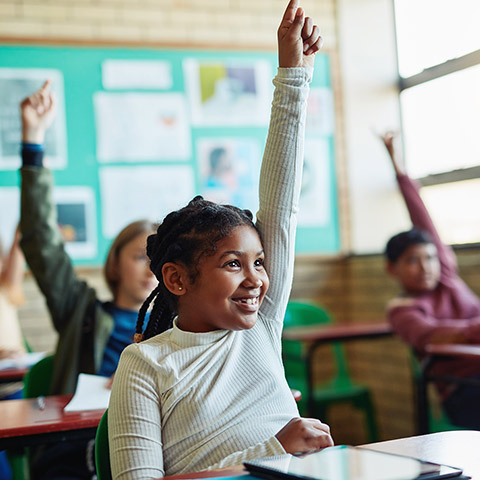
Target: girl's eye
233, 263
260, 262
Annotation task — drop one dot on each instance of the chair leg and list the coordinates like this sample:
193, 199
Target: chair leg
371, 421
18, 464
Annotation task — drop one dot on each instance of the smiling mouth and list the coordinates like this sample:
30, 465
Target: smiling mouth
251, 301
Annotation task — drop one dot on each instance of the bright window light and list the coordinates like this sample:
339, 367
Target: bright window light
441, 123
430, 32
454, 210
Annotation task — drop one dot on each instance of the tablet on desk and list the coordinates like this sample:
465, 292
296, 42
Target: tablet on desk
348, 463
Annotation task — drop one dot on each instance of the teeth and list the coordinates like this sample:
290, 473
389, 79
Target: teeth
249, 301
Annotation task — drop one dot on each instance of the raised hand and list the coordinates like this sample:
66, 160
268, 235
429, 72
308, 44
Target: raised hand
298, 38
389, 139
302, 435
38, 111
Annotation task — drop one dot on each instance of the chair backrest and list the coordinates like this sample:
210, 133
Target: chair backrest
438, 420
38, 380
102, 453
303, 313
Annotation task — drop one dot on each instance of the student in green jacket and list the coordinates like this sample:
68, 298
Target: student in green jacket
91, 333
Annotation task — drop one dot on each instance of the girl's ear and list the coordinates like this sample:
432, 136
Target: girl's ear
173, 277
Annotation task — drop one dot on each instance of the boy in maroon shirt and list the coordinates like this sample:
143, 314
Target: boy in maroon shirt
436, 306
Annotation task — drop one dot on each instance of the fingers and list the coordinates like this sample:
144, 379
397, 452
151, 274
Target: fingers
312, 41
290, 13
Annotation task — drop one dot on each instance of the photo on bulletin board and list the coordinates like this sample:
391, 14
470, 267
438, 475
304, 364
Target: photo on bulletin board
315, 191
232, 93
229, 170
15, 85
141, 126
76, 220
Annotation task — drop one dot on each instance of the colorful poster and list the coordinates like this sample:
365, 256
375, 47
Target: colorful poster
229, 93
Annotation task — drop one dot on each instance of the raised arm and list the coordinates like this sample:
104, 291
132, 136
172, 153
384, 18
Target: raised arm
41, 241
13, 272
416, 208
280, 178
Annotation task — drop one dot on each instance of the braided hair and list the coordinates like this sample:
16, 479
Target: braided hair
185, 236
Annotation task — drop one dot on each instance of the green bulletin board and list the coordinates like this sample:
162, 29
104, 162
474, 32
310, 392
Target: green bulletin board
191, 77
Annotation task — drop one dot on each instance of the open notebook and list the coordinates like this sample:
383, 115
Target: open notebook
348, 463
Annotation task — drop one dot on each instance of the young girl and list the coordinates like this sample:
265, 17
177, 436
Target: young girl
208, 389
92, 334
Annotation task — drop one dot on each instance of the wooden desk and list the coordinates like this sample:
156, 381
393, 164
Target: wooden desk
459, 448
9, 375
23, 423
456, 448
318, 335
435, 352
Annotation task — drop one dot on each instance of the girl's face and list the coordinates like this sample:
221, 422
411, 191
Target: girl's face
136, 281
229, 288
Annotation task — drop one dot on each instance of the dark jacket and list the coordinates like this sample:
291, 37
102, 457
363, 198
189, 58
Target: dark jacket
83, 323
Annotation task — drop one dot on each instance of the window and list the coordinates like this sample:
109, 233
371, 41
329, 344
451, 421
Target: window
438, 43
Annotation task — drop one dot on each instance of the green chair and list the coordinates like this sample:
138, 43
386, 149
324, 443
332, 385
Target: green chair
297, 359
431, 417
38, 380
102, 453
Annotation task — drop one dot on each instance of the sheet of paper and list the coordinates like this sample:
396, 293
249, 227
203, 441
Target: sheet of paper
135, 127
132, 193
26, 360
145, 74
91, 394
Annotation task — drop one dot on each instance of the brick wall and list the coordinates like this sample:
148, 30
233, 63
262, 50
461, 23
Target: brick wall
191, 23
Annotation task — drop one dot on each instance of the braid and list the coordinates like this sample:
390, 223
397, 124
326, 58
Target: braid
184, 237
142, 312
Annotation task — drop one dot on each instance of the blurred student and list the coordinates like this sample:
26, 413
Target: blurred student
207, 388
92, 333
12, 268
436, 306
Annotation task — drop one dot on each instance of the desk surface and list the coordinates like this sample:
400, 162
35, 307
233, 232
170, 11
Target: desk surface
453, 350
23, 423
8, 375
337, 332
458, 448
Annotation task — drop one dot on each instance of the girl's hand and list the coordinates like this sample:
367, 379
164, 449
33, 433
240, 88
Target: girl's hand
38, 111
298, 38
303, 435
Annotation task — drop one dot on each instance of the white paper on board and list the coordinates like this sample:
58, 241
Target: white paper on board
137, 74
133, 193
135, 127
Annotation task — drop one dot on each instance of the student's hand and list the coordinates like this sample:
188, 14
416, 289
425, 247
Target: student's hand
38, 111
303, 435
389, 139
298, 38
10, 353
109, 383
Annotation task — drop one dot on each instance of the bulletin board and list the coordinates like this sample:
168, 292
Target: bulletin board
139, 132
